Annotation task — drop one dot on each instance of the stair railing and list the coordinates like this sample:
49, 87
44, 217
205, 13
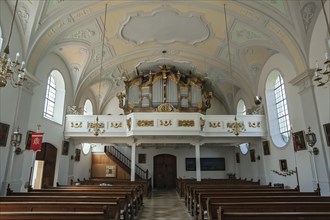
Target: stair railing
126, 161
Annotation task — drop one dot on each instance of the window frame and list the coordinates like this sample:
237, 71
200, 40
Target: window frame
272, 114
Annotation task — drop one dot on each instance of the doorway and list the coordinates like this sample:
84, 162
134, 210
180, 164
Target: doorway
44, 166
164, 171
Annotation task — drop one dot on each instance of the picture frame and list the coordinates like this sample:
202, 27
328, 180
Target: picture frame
190, 164
65, 148
326, 128
252, 155
28, 140
266, 148
299, 141
142, 158
207, 164
111, 171
238, 159
4, 131
77, 155
283, 165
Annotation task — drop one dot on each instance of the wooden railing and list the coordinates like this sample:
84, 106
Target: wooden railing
113, 151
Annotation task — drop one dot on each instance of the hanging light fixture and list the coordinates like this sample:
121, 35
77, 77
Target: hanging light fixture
12, 71
16, 138
97, 127
323, 76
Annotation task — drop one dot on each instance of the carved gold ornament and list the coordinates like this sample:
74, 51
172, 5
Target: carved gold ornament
76, 124
186, 123
145, 123
254, 124
93, 124
116, 124
214, 124
202, 123
165, 107
236, 127
131, 105
165, 123
129, 123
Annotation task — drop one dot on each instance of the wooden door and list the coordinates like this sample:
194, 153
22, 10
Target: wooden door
164, 171
48, 155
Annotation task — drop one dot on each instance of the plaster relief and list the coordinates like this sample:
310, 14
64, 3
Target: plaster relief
179, 27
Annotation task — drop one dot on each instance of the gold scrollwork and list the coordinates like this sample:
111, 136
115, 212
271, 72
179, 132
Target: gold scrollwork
165, 107
236, 127
116, 124
214, 124
254, 124
129, 123
93, 124
186, 123
145, 123
202, 123
165, 123
76, 124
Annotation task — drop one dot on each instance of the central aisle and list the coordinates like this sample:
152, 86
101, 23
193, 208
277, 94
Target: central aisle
164, 205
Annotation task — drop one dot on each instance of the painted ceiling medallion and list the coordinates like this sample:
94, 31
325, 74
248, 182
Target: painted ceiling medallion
179, 27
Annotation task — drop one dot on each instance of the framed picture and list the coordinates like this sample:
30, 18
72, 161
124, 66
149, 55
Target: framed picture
28, 140
265, 145
4, 130
77, 156
327, 132
238, 160
142, 158
110, 171
65, 148
283, 165
253, 155
190, 164
299, 142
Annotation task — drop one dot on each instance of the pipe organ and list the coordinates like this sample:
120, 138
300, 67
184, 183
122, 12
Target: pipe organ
167, 90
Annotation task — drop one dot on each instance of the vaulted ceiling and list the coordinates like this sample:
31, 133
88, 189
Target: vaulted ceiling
192, 32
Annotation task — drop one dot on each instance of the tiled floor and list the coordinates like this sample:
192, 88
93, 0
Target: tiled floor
164, 205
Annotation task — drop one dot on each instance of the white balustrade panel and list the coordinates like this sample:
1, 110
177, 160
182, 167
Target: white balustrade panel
167, 124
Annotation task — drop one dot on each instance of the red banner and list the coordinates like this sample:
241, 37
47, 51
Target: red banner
36, 141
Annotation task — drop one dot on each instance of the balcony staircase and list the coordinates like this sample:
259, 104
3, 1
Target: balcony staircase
124, 162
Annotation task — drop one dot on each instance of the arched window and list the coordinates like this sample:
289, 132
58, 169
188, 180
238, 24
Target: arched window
54, 99
282, 108
1, 40
241, 108
278, 115
88, 107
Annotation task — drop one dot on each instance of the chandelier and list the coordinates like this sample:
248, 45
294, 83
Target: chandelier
12, 71
323, 76
97, 127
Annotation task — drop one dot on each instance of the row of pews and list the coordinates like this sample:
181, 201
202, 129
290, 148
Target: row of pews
75, 202
235, 199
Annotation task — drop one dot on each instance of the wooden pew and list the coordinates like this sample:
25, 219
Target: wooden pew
213, 207
145, 184
201, 204
224, 215
123, 201
183, 183
133, 200
193, 197
135, 190
202, 208
53, 215
112, 209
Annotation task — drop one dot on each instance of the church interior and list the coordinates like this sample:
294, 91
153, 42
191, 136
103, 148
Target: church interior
165, 96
